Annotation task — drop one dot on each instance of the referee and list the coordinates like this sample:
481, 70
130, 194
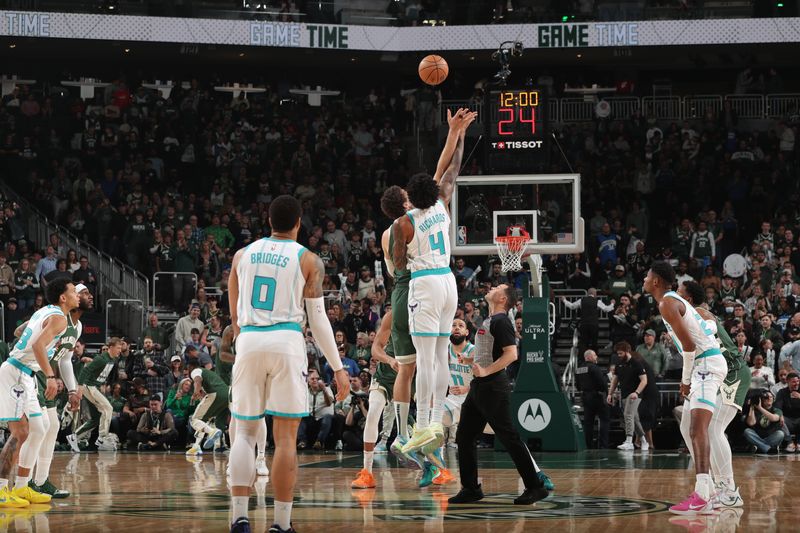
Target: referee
488, 401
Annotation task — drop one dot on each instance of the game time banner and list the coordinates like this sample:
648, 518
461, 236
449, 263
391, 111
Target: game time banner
391, 39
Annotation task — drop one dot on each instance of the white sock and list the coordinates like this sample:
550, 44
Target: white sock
629, 440
368, 456
401, 414
21, 482
260, 456
703, 486
42, 470
283, 514
3, 484
239, 505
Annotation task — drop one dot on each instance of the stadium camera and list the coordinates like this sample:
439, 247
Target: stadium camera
503, 56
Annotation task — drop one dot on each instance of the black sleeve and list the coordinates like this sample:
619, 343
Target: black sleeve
502, 330
638, 368
600, 379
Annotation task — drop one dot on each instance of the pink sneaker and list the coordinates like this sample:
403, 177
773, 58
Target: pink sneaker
693, 505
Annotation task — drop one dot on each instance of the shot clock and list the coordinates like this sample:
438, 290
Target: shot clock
517, 129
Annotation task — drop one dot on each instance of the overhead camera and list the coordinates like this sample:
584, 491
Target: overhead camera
503, 56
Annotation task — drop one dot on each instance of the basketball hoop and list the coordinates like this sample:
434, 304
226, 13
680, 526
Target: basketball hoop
511, 248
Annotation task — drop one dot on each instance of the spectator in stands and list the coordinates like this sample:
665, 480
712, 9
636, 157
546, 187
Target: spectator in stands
46, 265
137, 404
780, 383
6, 279
84, 274
355, 322
176, 371
26, 284
185, 325
353, 435
157, 333
13, 318
362, 350
156, 428
320, 419
623, 325
766, 331
762, 376
620, 284
654, 353
149, 364
607, 244
788, 401
349, 364
180, 404
764, 427
589, 326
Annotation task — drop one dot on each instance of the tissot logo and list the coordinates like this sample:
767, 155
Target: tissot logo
516, 145
534, 415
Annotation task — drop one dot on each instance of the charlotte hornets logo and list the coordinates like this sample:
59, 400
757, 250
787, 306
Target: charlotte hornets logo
17, 391
534, 415
413, 306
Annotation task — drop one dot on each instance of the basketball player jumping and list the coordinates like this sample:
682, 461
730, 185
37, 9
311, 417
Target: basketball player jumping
269, 279
730, 400
18, 402
421, 243
704, 370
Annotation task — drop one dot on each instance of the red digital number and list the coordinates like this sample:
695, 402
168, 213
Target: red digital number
531, 121
510, 119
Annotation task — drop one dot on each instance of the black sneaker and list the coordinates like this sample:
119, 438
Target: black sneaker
466, 495
531, 496
242, 525
277, 529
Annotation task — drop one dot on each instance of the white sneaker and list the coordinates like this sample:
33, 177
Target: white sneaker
72, 440
106, 445
727, 498
626, 446
645, 446
261, 466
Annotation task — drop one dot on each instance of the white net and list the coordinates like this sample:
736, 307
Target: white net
511, 249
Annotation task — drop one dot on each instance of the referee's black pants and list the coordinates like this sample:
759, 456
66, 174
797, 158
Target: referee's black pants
488, 400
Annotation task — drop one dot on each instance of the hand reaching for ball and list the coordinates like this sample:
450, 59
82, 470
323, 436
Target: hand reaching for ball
459, 122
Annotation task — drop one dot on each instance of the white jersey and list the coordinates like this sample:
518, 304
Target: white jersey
460, 374
703, 336
271, 285
22, 352
429, 249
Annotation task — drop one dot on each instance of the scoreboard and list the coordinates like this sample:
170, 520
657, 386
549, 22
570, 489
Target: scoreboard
517, 130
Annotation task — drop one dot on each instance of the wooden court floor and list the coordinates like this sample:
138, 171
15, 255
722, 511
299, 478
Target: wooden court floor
595, 491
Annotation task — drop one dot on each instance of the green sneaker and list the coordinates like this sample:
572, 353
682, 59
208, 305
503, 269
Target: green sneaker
429, 473
546, 481
49, 488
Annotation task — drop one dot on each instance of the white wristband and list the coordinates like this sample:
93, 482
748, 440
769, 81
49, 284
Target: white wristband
688, 367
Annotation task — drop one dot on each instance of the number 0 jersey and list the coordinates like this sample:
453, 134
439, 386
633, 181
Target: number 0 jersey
429, 249
271, 285
22, 352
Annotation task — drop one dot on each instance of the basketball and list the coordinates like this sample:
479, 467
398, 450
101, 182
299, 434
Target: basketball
433, 69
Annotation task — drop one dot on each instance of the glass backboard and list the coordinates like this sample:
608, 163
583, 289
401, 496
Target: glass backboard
547, 206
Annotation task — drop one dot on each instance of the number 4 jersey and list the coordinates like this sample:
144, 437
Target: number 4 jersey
271, 284
429, 249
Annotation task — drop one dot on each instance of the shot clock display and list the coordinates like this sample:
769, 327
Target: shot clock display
517, 128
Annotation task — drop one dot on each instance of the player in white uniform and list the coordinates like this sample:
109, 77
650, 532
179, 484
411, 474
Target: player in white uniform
460, 357
269, 280
19, 405
63, 357
421, 243
704, 369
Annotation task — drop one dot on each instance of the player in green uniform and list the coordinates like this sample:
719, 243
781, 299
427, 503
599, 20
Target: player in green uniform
729, 402
63, 360
214, 403
380, 393
90, 379
394, 204
224, 367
